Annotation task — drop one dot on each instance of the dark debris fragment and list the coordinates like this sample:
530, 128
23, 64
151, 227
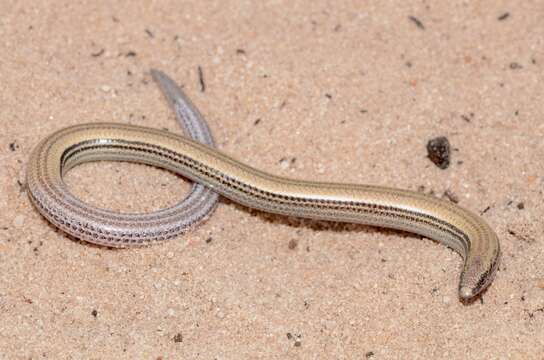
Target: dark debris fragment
201, 79
521, 236
178, 338
485, 210
504, 16
451, 196
515, 66
149, 33
468, 117
98, 53
22, 186
13, 146
438, 151
130, 54
532, 313
417, 22
286, 162
297, 339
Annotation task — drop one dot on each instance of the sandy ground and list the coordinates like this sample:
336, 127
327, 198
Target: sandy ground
335, 91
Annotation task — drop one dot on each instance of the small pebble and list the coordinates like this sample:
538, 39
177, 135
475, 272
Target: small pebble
105, 88
320, 169
19, 221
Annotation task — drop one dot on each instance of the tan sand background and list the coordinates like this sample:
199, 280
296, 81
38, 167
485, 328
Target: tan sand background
352, 91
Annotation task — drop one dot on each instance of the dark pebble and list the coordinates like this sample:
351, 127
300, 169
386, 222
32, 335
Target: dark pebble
178, 338
292, 244
438, 151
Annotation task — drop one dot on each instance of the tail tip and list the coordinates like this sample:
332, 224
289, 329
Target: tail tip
466, 293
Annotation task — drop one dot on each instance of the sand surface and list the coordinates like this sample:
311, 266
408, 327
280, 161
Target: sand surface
327, 90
